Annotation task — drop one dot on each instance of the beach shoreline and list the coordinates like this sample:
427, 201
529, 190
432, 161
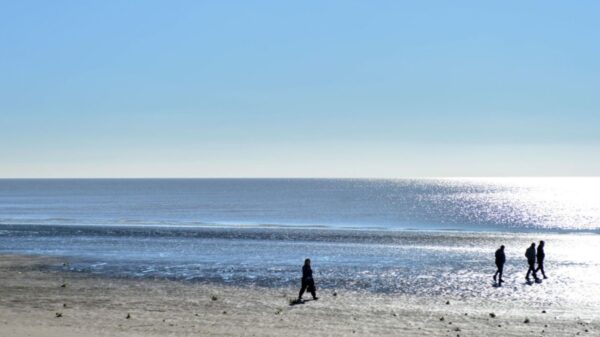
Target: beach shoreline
37, 300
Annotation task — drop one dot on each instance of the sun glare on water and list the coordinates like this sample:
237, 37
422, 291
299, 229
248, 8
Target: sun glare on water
564, 203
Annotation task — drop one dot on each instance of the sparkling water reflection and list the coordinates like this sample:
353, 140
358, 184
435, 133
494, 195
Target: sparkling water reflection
414, 236
491, 204
433, 263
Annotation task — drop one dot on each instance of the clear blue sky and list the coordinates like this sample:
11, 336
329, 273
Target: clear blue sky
299, 88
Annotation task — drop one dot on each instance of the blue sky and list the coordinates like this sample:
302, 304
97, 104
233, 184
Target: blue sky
299, 89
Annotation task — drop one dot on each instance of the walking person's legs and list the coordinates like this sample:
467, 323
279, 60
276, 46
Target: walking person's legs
302, 289
541, 268
312, 289
500, 271
530, 270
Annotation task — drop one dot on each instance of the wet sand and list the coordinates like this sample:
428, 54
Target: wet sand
39, 301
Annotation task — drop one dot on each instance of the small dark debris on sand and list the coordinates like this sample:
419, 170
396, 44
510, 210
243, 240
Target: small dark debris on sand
64, 285
447, 302
526, 320
442, 318
64, 305
543, 311
58, 314
224, 312
214, 297
128, 316
492, 315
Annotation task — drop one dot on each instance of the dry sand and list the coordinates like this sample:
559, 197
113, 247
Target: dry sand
32, 296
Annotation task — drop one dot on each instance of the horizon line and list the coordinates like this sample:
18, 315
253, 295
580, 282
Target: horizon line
295, 177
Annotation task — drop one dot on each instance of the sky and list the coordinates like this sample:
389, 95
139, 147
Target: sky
347, 88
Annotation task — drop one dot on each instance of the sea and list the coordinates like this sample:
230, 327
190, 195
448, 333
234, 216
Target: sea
432, 237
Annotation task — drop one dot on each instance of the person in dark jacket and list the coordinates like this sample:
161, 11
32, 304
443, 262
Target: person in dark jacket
307, 281
530, 254
540, 258
500, 260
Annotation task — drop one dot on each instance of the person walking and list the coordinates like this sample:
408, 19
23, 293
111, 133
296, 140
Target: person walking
500, 260
307, 281
541, 255
530, 254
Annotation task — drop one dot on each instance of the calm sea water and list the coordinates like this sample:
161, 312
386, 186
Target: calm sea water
542, 204
426, 236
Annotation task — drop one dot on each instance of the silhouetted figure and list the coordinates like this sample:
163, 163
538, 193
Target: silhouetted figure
530, 254
540, 258
500, 260
307, 281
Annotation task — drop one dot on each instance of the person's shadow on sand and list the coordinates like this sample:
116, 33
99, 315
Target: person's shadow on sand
299, 301
296, 302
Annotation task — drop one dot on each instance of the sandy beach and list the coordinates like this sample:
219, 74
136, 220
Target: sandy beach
36, 300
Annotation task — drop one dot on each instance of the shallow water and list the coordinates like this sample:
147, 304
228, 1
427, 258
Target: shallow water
420, 236
430, 263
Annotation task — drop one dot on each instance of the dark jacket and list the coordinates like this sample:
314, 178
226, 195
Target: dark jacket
306, 273
540, 253
500, 257
530, 254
